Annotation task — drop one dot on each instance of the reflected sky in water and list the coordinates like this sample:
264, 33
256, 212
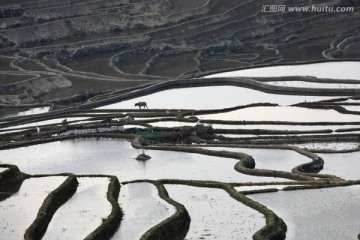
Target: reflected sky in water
117, 157
290, 114
344, 165
335, 70
14, 112
215, 215
19, 211
143, 209
331, 213
211, 97
83, 212
273, 159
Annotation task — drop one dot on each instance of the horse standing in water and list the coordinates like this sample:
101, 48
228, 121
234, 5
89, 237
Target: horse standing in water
141, 104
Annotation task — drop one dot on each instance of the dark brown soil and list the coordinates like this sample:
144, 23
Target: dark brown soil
10, 78
169, 39
304, 51
174, 65
352, 50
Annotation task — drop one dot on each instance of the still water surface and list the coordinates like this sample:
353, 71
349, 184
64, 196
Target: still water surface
216, 215
82, 213
290, 114
117, 157
344, 165
272, 159
24, 112
331, 213
143, 209
334, 70
210, 97
19, 211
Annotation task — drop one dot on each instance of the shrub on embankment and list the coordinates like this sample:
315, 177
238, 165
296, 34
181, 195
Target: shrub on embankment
50, 205
10, 180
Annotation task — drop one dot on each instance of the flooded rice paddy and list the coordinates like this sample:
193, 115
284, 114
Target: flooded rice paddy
303, 84
32, 111
221, 97
19, 211
290, 114
45, 122
281, 127
344, 165
352, 101
331, 213
308, 214
117, 157
171, 124
82, 213
334, 70
273, 159
143, 209
352, 108
329, 145
215, 215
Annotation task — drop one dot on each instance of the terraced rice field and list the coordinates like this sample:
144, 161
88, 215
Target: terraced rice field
282, 162
334, 210
20, 210
251, 128
143, 209
329, 70
215, 215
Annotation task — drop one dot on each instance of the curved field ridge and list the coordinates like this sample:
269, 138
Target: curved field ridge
214, 214
275, 228
310, 169
245, 165
170, 227
143, 209
20, 209
110, 225
337, 220
52, 202
240, 82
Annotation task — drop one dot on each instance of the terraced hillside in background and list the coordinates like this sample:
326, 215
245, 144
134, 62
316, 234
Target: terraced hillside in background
51, 50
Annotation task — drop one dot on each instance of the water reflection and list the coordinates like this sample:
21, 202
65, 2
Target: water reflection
20, 210
290, 114
82, 213
335, 70
143, 209
344, 165
331, 213
215, 215
14, 112
273, 159
117, 157
211, 97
